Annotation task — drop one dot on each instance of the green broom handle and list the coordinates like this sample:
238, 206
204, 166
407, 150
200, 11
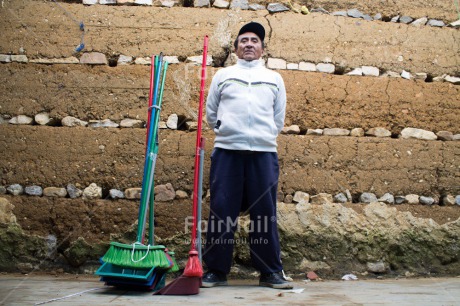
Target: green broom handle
153, 65
146, 182
154, 136
153, 76
152, 198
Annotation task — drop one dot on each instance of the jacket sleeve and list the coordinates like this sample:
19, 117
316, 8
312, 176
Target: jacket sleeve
212, 102
280, 105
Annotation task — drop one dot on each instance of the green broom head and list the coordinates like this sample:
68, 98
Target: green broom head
175, 266
137, 256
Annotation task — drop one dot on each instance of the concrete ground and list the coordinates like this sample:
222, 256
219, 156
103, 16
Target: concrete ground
86, 290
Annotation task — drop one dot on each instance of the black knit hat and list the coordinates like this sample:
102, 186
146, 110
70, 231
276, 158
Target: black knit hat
255, 28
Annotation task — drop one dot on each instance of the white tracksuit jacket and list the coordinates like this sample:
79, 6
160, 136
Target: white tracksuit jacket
246, 106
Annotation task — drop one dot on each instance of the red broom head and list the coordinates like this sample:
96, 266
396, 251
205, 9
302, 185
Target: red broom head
193, 266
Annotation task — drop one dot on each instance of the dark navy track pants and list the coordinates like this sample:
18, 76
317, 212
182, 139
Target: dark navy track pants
243, 181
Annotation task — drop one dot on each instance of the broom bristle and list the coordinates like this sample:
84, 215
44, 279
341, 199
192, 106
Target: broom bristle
174, 266
142, 257
193, 266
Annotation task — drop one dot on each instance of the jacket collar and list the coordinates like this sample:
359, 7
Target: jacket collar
250, 64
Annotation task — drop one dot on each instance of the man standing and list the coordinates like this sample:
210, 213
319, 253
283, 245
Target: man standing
246, 107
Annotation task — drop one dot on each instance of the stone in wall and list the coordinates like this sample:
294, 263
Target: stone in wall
57, 192
452, 79
180, 194
256, 7
293, 129
106, 123
276, 8
133, 193
378, 132
34, 190
124, 60
321, 199
276, 63
357, 132
92, 192
445, 135
73, 191
72, 121
173, 122
370, 71
164, 192
316, 132
45, 119
239, 4
420, 22
19, 58
406, 75
387, 198
306, 66
171, 59
201, 3
292, 66
367, 197
144, 2
93, 58
340, 198
418, 134
21, 120
198, 60
356, 71
412, 199
336, 132
221, 4
50, 61
426, 200
15, 189
142, 61
5, 58
300, 196
325, 68
436, 23
116, 194
6, 212
131, 123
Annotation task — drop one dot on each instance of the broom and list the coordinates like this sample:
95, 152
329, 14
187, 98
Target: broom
174, 267
138, 255
189, 282
193, 266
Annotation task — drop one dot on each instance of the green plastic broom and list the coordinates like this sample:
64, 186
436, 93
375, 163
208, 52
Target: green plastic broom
138, 255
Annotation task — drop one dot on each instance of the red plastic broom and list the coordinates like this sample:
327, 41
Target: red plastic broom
193, 267
189, 283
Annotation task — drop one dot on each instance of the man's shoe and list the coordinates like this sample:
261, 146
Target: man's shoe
274, 280
213, 278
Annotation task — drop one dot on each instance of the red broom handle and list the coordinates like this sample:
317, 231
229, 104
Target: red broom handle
198, 143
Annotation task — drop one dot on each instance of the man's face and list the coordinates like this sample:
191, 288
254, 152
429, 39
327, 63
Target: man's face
249, 47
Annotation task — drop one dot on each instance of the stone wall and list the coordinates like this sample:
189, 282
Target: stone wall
341, 72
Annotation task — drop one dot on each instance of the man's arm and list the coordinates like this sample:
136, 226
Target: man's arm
212, 102
280, 105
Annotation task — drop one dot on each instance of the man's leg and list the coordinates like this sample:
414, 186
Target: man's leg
262, 172
226, 183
